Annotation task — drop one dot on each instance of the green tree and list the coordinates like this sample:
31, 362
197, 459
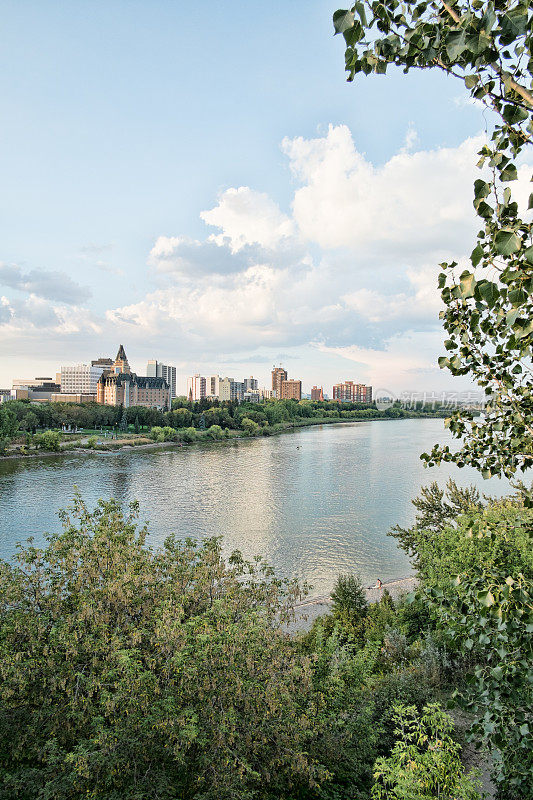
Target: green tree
488, 314
249, 426
425, 761
128, 672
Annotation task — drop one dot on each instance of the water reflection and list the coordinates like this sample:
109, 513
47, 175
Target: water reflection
314, 503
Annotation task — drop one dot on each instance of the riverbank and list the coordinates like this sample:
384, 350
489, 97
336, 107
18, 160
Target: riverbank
311, 608
136, 442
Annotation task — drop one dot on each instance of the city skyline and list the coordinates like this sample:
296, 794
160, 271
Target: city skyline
310, 234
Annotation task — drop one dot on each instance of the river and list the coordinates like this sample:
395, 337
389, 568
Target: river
315, 502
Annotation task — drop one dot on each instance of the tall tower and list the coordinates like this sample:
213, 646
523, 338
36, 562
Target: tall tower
121, 362
278, 376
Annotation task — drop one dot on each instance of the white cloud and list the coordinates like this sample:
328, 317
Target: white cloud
248, 217
351, 274
416, 200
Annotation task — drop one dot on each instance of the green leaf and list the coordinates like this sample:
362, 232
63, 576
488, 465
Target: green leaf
506, 242
455, 44
467, 284
489, 292
509, 173
343, 20
528, 252
486, 598
477, 255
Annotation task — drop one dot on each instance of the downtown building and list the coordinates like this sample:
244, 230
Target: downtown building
80, 379
119, 386
350, 392
156, 369
284, 388
317, 394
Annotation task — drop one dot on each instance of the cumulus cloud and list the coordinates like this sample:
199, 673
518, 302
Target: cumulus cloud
416, 200
43, 283
350, 273
248, 217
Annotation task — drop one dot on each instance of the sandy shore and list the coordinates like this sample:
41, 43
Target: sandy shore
313, 607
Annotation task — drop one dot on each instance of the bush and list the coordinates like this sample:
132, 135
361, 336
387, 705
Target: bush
48, 440
249, 426
424, 763
215, 432
188, 434
92, 441
157, 434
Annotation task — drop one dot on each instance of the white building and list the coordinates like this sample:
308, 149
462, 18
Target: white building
155, 369
196, 388
80, 379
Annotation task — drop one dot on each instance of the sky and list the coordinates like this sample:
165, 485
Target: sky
202, 185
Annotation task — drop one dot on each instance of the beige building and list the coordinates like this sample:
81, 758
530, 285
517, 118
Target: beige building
278, 376
290, 390
119, 386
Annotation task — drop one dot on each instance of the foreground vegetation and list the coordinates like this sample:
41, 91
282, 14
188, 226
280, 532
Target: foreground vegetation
127, 672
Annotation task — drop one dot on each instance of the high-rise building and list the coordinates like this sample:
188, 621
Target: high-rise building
230, 389
350, 392
317, 394
250, 384
196, 388
80, 379
155, 369
278, 375
290, 390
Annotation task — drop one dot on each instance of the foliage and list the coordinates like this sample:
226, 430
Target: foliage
424, 763
129, 673
485, 616
489, 309
489, 612
92, 441
48, 440
215, 432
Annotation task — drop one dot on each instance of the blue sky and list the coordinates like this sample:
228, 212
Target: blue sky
124, 122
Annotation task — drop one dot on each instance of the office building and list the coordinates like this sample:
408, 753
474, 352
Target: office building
80, 379
317, 394
250, 384
350, 392
156, 369
105, 363
38, 389
290, 390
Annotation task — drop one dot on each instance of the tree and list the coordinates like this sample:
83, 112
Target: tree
129, 672
48, 440
424, 763
488, 312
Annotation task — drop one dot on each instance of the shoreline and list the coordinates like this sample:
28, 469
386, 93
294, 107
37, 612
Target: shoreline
289, 428
311, 608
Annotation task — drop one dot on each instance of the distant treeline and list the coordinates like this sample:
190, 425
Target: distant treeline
22, 416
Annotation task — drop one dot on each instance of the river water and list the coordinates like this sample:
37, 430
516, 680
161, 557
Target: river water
315, 503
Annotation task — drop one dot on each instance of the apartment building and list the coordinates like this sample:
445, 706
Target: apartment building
350, 392
156, 369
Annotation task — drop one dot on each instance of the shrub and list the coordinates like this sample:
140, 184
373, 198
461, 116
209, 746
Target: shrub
249, 426
48, 440
92, 441
215, 432
188, 434
424, 763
